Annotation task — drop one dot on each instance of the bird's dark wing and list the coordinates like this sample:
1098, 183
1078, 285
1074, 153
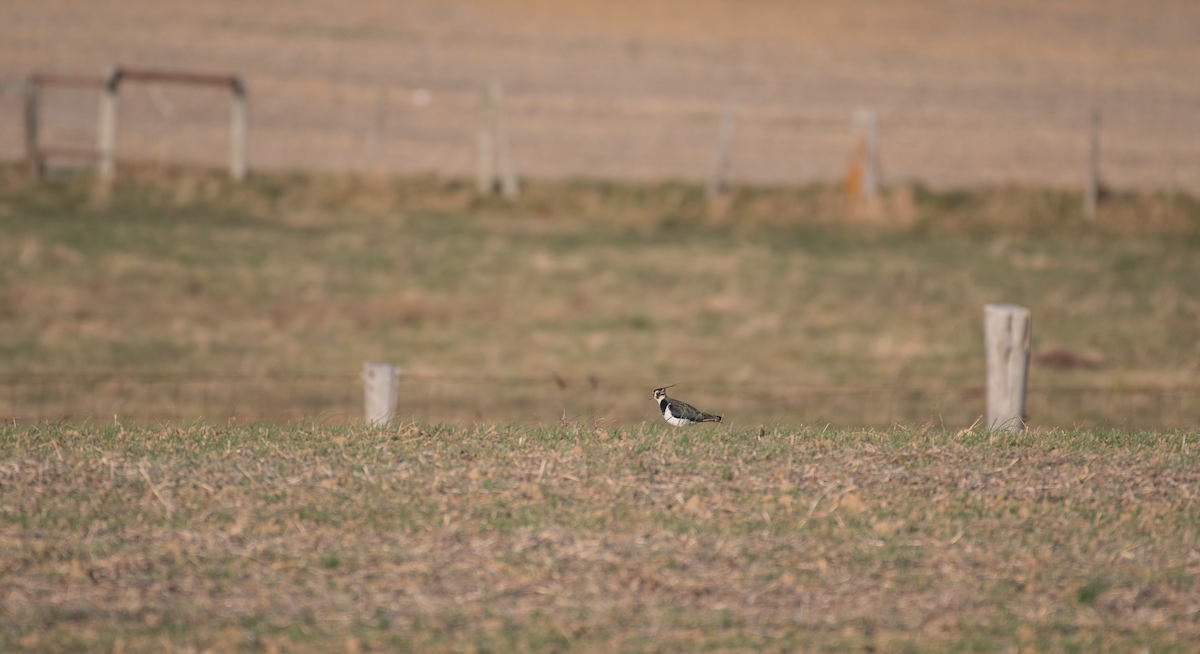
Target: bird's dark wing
684, 410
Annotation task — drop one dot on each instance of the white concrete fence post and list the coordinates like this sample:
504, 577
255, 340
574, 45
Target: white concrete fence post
1008, 335
33, 95
486, 148
381, 388
866, 123
508, 172
106, 128
495, 152
1091, 188
239, 127
720, 172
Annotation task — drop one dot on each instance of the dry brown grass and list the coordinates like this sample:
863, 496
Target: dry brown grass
416, 539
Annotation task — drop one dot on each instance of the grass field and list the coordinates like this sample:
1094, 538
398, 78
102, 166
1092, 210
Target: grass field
182, 463
781, 305
302, 538
525, 514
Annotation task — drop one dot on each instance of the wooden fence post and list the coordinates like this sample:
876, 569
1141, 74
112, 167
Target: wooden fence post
381, 388
1091, 191
1008, 335
717, 183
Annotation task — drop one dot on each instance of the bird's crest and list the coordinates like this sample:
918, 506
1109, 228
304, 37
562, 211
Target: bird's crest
660, 393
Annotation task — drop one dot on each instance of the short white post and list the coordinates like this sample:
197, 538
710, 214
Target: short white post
716, 184
106, 133
381, 387
1091, 190
238, 129
1008, 335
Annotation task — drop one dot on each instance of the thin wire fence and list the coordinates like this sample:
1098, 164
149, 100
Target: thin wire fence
346, 126
470, 399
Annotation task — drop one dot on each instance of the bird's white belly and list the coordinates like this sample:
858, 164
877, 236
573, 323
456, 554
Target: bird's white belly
677, 422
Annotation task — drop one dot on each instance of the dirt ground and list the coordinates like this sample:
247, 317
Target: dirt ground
980, 92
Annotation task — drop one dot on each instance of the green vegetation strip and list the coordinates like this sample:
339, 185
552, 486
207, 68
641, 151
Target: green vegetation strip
502, 538
768, 313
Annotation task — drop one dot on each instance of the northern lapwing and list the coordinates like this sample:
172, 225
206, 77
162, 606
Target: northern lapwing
680, 413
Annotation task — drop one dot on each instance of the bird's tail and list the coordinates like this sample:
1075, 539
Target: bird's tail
708, 417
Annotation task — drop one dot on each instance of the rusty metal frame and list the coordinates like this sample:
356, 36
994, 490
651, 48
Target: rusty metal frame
109, 86
36, 153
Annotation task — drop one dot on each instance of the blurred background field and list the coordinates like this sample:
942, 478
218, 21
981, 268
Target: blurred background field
181, 295
967, 93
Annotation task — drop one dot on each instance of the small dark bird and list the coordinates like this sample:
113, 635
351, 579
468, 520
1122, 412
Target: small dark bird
680, 413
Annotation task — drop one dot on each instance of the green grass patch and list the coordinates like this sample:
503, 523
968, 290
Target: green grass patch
785, 310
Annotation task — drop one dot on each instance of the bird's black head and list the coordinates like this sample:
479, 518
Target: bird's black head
660, 393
